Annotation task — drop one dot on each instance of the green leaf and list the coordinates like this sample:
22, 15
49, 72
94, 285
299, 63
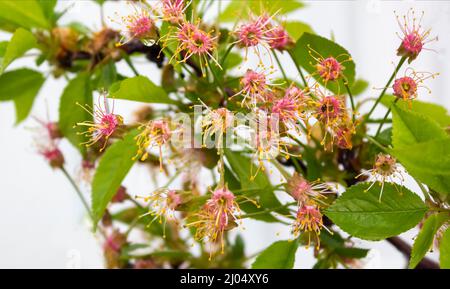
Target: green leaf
24, 13
279, 255
336, 244
430, 110
22, 41
296, 29
105, 76
422, 146
306, 50
260, 186
444, 248
362, 215
411, 128
141, 89
113, 167
21, 86
48, 8
359, 87
425, 238
432, 157
78, 90
238, 9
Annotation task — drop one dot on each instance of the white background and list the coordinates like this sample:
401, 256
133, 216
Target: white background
42, 222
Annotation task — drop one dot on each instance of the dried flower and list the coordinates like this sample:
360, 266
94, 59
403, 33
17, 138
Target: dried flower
162, 205
385, 169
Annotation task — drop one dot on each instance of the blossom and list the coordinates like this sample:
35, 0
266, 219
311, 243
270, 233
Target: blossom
216, 123
162, 205
53, 155
255, 87
385, 169
407, 86
290, 107
104, 125
333, 116
46, 139
308, 220
138, 25
51, 128
343, 134
260, 32
156, 133
279, 38
413, 37
220, 213
191, 41
173, 10
329, 68
304, 191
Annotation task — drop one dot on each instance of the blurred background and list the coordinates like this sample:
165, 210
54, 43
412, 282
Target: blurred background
43, 222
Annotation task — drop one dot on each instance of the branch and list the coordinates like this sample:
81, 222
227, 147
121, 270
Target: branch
405, 249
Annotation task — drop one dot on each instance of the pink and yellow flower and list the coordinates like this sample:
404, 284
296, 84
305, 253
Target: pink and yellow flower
138, 25
304, 191
413, 37
220, 213
156, 133
191, 41
104, 125
407, 87
162, 205
308, 221
385, 169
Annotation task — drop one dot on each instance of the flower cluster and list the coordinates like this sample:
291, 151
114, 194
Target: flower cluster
308, 127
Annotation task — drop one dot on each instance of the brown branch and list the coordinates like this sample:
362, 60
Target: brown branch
405, 249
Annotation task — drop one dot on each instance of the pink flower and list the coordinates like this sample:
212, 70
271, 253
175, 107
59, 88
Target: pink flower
156, 133
53, 156
304, 191
407, 87
308, 220
192, 41
279, 38
329, 109
46, 140
221, 212
255, 87
289, 108
138, 26
173, 10
260, 32
414, 37
104, 125
329, 69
